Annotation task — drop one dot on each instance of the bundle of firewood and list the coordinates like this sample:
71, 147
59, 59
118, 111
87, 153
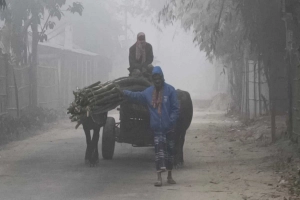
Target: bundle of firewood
100, 98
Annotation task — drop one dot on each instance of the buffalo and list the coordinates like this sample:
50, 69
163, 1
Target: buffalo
93, 122
183, 123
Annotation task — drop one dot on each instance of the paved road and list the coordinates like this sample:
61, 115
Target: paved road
50, 166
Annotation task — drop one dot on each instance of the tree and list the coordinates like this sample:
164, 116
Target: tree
2, 4
233, 30
98, 30
22, 14
144, 9
218, 31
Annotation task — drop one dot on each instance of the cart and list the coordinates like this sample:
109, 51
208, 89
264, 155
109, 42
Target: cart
133, 128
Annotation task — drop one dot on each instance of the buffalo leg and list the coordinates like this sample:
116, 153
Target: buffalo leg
180, 139
88, 145
177, 148
181, 143
94, 147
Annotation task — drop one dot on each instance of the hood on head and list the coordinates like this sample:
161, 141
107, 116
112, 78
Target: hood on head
157, 70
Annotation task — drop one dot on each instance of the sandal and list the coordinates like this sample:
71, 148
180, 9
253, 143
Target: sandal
171, 181
158, 184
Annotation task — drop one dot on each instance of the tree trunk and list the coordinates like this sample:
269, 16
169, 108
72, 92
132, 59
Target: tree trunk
272, 92
16, 92
6, 79
290, 96
273, 118
34, 56
259, 86
270, 72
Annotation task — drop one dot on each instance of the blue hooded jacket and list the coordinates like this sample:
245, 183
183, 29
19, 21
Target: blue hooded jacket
169, 108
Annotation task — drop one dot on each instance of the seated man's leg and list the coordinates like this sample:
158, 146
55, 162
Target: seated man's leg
136, 73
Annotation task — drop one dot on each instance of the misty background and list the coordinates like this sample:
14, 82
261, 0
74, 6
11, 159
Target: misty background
102, 29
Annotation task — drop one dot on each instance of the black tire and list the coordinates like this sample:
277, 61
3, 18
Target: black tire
108, 139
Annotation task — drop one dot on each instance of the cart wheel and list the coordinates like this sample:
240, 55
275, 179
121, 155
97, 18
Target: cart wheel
108, 139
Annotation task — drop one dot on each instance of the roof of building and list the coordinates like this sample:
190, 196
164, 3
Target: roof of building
75, 50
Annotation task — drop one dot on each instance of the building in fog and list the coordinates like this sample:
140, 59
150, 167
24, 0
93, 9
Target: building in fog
63, 67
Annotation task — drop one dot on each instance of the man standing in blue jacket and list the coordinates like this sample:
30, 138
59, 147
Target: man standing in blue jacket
161, 100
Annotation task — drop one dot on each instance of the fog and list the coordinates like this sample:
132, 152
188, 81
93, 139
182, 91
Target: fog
73, 124
184, 65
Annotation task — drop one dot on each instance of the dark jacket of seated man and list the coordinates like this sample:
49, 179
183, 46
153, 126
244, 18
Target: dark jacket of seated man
140, 54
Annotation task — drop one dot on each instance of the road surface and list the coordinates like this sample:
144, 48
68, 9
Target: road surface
50, 166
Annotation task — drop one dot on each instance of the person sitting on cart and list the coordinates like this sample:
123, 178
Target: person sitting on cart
162, 103
140, 55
